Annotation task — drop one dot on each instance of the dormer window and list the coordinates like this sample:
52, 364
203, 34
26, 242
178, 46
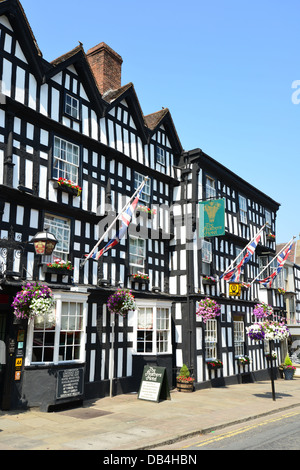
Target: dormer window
72, 106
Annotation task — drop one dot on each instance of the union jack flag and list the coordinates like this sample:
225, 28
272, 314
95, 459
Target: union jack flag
281, 259
125, 217
235, 273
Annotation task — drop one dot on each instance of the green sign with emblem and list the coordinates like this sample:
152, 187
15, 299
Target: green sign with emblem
212, 218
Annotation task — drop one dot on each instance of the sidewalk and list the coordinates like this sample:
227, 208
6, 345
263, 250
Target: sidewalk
125, 422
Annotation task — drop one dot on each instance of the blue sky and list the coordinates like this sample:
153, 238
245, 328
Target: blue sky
225, 69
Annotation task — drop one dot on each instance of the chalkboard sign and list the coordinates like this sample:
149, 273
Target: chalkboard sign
69, 383
154, 385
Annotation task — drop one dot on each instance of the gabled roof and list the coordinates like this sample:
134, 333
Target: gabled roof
150, 123
163, 117
17, 18
77, 58
127, 92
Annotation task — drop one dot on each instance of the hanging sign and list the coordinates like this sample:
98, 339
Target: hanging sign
212, 218
234, 289
154, 385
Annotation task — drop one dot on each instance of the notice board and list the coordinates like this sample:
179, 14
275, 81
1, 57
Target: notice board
154, 384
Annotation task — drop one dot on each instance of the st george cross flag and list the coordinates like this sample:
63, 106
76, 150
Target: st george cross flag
234, 274
125, 217
281, 259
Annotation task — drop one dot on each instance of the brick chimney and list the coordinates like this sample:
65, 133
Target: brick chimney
106, 65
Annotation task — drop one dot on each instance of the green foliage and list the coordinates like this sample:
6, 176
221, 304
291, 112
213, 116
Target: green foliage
287, 361
184, 371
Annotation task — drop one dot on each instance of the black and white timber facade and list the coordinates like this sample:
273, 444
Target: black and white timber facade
55, 122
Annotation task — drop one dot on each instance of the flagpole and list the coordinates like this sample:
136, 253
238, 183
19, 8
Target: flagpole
115, 220
277, 254
256, 235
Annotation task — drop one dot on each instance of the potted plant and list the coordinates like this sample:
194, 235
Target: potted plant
121, 302
208, 309
288, 368
184, 381
34, 299
214, 364
245, 286
272, 355
68, 186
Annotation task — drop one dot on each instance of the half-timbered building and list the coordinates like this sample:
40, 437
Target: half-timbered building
72, 119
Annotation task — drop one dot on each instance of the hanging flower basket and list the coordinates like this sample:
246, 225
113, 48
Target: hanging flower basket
262, 310
34, 299
208, 309
256, 331
275, 330
268, 330
121, 302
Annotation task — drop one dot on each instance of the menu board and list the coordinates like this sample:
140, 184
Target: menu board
154, 384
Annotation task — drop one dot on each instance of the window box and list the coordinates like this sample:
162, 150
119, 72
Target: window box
271, 237
62, 271
67, 187
140, 278
214, 364
208, 281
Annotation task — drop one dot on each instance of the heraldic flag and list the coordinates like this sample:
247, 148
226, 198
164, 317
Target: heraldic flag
234, 274
281, 259
125, 216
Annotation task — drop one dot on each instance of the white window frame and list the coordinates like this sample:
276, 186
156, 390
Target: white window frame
65, 160
61, 229
210, 188
146, 193
211, 339
158, 327
243, 209
60, 299
160, 155
138, 244
239, 337
72, 106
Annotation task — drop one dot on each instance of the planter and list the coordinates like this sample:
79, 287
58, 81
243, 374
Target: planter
186, 387
208, 282
288, 374
66, 189
60, 271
